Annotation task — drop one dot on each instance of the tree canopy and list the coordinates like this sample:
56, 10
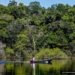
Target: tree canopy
25, 28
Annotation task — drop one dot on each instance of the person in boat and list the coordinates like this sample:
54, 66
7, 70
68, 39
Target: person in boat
42, 61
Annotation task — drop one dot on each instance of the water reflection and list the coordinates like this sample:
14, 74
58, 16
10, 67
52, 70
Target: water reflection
41, 69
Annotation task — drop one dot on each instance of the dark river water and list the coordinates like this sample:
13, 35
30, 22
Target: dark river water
40, 69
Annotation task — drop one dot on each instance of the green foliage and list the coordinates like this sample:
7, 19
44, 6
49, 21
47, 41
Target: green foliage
22, 40
27, 28
52, 53
9, 51
35, 7
3, 9
3, 33
12, 3
5, 19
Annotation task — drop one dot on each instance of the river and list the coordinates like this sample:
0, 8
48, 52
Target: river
40, 69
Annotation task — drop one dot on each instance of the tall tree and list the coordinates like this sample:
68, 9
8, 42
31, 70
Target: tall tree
35, 7
12, 2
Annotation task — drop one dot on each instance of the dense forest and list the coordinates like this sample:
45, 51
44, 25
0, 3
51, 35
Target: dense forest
27, 28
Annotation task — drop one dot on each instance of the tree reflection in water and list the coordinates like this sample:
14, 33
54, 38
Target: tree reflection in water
41, 69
